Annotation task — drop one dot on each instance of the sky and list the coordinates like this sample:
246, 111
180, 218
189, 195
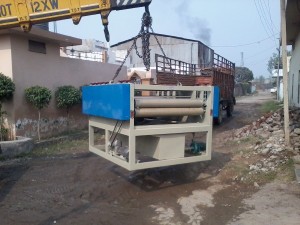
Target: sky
230, 27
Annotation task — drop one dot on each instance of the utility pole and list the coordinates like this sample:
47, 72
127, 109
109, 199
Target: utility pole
285, 74
55, 27
278, 70
242, 59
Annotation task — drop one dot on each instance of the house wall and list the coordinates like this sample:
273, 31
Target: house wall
5, 56
51, 70
294, 75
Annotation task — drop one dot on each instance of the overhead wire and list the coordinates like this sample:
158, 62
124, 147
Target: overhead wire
258, 61
264, 15
269, 20
261, 20
267, 17
270, 15
246, 44
260, 52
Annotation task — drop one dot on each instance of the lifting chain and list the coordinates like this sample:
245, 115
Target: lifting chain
144, 34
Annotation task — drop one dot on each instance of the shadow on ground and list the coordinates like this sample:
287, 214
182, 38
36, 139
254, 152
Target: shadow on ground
165, 177
9, 176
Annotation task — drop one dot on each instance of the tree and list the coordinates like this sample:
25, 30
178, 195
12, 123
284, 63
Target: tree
67, 97
243, 74
261, 79
7, 88
273, 61
40, 98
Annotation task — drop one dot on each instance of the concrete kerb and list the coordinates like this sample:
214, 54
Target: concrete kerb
297, 167
10, 149
70, 137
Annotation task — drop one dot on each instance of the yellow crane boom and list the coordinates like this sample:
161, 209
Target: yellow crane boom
25, 13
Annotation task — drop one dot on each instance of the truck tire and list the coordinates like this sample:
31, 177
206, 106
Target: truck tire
229, 110
219, 120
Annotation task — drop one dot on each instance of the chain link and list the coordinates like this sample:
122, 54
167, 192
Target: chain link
123, 62
144, 34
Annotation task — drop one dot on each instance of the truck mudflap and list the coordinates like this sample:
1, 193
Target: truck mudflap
216, 102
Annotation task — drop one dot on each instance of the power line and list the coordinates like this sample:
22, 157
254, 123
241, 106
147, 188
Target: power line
264, 14
259, 61
260, 52
269, 20
262, 10
246, 44
270, 15
258, 12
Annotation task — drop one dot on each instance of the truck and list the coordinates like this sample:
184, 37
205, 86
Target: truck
220, 75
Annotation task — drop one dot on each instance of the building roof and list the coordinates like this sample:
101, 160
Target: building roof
44, 35
292, 20
157, 34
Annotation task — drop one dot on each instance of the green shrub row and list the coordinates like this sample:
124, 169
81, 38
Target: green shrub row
65, 96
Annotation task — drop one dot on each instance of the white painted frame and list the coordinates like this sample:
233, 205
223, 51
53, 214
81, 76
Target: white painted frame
129, 129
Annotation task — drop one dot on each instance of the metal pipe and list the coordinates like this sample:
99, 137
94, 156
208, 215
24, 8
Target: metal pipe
168, 103
154, 112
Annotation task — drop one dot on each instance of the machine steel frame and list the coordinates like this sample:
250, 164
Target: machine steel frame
202, 123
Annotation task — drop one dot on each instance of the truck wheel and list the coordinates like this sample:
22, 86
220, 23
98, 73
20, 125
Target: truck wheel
234, 101
219, 120
229, 110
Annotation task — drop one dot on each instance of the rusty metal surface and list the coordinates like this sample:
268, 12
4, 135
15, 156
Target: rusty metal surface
221, 74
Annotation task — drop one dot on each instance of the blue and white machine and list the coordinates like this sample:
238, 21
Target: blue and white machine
147, 126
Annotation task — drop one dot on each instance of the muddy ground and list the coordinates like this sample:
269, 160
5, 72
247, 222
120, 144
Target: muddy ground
82, 188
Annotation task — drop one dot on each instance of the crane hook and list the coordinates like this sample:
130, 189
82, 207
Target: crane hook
106, 32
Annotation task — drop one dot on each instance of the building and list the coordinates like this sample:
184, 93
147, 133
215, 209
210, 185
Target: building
278, 74
293, 39
34, 59
94, 50
182, 49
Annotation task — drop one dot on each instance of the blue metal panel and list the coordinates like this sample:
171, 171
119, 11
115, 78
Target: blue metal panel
216, 101
109, 101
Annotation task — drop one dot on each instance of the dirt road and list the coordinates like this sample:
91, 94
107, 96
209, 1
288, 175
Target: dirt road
85, 189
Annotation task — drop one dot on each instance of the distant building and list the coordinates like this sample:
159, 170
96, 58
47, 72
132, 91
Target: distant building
182, 49
94, 50
268, 81
293, 38
275, 76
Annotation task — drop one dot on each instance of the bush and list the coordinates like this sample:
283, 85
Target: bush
7, 88
3, 134
40, 97
67, 97
246, 88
